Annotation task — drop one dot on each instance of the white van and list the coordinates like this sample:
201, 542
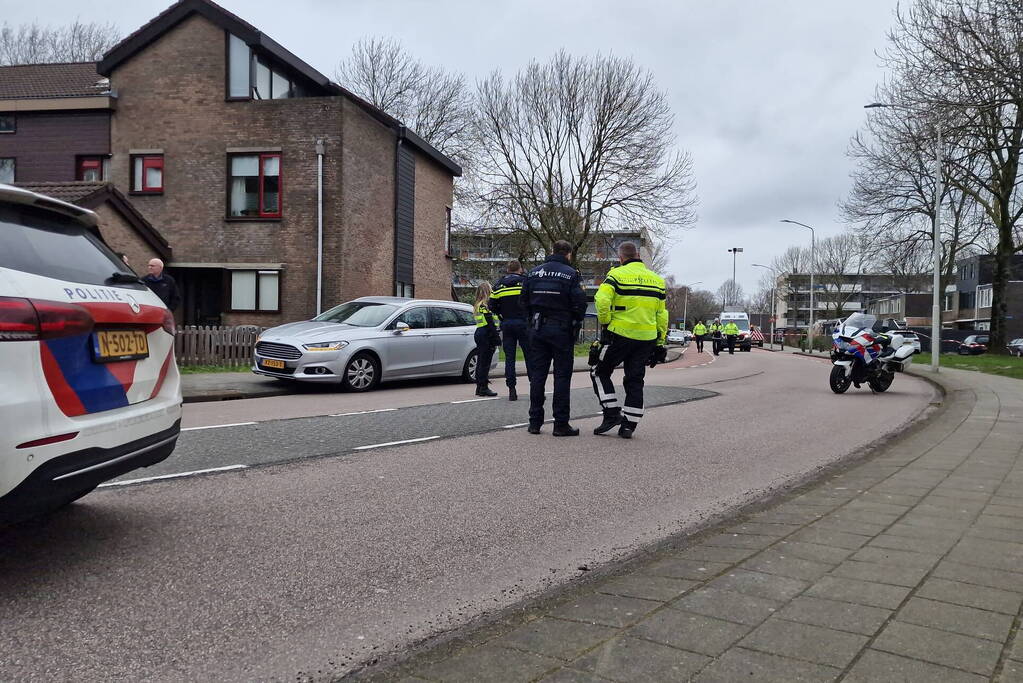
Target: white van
741, 320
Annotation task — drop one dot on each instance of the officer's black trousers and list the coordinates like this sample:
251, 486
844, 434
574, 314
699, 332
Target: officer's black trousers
513, 331
484, 355
633, 355
699, 343
716, 344
555, 342
731, 343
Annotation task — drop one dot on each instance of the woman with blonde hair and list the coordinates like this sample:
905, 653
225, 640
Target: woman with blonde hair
487, 339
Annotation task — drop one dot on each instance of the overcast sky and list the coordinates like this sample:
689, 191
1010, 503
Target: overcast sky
766, 93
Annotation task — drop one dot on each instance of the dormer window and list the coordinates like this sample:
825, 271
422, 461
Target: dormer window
251, 77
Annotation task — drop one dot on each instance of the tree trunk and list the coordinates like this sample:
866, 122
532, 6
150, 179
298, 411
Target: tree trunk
1000, 285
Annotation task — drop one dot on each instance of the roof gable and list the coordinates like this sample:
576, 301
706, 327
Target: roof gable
260, 42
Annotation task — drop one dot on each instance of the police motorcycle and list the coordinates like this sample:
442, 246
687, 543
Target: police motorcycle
861, 355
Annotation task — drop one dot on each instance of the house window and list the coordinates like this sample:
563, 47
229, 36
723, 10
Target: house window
949, 298
984, 297
147, 173
7, 123
404, 289
92, 169
252, 77
255, 187
447, 230
255, 290
6, 169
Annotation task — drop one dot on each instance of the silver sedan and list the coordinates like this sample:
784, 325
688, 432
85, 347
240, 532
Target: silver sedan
363, 342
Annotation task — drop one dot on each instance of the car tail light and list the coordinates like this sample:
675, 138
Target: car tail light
168, 323
31, 320
48, 440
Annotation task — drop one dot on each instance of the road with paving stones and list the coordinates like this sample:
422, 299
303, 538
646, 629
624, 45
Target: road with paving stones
301, 566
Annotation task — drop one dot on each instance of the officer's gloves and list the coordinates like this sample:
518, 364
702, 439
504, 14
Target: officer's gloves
658, 355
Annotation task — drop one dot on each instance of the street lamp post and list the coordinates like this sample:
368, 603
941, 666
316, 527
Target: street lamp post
774, 300
733, 251
685, 304
938, 182
813, 267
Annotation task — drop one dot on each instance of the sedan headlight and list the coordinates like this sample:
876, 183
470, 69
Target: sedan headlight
325, 346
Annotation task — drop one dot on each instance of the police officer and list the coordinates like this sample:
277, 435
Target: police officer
731, 332
506, 303
631, 303
715, 336
699, 331
555, 306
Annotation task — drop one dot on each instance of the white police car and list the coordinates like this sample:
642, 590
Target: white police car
88, 385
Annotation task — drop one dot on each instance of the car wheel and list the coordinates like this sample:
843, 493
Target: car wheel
469, 368
362, 373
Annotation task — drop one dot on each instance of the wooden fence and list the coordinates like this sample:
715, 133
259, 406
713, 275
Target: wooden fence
232, 346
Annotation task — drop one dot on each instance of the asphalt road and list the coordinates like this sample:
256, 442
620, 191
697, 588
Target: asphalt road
306, 568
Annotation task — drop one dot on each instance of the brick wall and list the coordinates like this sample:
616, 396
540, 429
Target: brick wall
46, 144
433, 196
121, 236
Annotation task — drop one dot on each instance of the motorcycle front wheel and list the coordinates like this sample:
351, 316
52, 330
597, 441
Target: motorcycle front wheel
840, 382
882, 381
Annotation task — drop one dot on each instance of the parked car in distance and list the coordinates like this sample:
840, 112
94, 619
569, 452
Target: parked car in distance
90, 387
974, 345
911, 338
373, 339
1015, 347
676, 336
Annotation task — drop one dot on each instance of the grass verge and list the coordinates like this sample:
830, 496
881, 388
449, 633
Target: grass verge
1006, 366
580, 350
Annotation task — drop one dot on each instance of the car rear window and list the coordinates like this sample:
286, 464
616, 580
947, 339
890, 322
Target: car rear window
43, 243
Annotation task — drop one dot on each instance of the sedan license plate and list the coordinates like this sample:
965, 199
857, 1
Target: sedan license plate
111, 346
270, 363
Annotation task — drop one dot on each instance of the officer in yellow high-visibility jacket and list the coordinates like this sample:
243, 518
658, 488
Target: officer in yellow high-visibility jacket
699, 331
631, 305
731, 332
716, 336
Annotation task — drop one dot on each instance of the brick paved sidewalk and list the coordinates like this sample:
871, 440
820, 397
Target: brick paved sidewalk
907, 567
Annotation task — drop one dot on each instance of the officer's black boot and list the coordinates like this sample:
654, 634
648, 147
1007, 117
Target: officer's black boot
626, 429
512, 394
534, 427
565, 429
612, 418
484, 390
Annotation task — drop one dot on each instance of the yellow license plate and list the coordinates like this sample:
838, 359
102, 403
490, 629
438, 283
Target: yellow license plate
270, 363
115, 345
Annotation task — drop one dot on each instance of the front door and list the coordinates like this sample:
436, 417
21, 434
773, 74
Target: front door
202, 295
410, 353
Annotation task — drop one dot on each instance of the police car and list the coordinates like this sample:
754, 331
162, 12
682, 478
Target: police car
90, 387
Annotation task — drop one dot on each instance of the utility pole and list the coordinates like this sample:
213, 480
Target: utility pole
733, 251
813, 266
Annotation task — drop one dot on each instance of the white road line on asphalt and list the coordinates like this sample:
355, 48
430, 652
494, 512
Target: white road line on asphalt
514, 426
365, 412
395, 443
176, 475
233, 424
474, 400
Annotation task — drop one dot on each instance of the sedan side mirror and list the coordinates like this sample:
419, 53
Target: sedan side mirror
401, 326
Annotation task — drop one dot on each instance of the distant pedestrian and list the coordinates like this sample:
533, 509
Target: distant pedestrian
555, 307
506, 302
731, 332
162, 284
487, 339
716, 336
699, 331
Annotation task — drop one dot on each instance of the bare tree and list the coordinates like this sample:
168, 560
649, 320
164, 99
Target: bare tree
762, 301
576, 146
730, 293
433, 102
702, 305
960, 60
37, 44
841, 260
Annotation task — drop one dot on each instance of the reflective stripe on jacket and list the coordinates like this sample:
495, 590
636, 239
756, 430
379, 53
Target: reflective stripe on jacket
484, 317
506, 301
731, 328
700, 329
631, 302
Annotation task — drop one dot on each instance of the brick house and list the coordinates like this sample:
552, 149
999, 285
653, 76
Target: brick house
54, 123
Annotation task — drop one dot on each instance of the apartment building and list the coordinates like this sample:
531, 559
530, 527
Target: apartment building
246, 159
834, 296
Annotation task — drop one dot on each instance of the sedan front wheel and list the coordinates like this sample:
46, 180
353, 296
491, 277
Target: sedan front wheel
362, 373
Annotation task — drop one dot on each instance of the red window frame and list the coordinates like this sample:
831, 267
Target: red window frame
280, 185
148, 161
88, 163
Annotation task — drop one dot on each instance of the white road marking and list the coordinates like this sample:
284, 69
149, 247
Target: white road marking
365, 412
474, 400
396, 443
515, 426
233, 424
176, 475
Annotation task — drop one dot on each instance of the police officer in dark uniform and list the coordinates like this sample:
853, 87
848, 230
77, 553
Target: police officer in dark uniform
555, 307
506, 302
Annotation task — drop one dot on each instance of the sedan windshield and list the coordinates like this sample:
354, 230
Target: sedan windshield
358, 314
